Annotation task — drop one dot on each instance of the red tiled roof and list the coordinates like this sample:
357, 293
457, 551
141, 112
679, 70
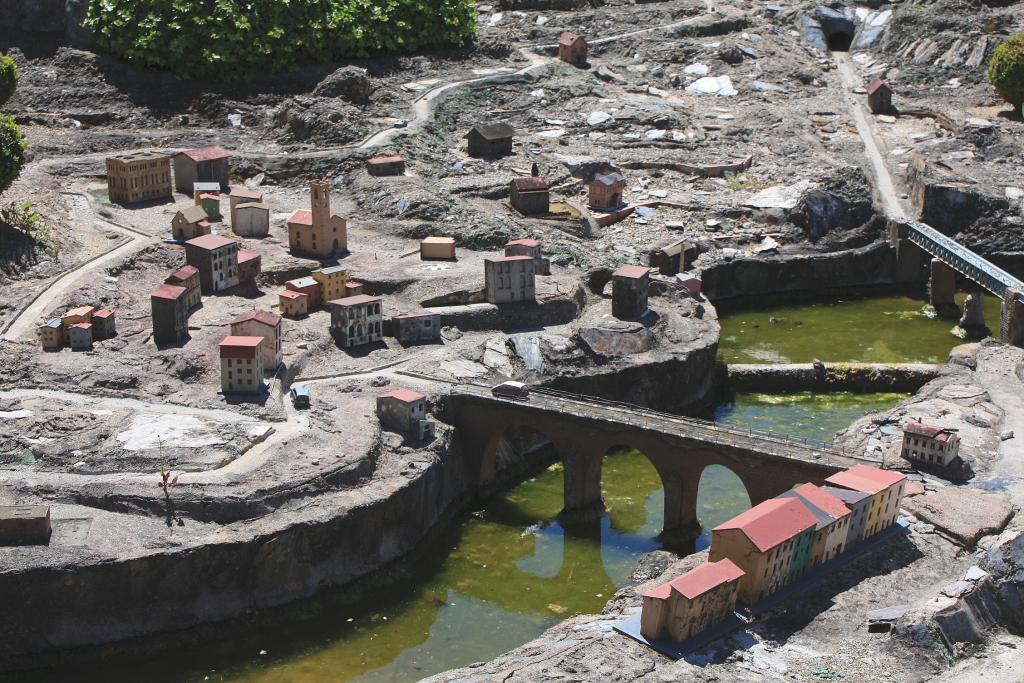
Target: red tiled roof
239, 347
81, 310
208, 195
103, 313
247, 255
301, 217
170, 292
210, 242
246, 194
206, 153
567, 38
265, 317
352, 284
866, 479
876, 84
183, 273
503, 259
404, 395
355, 300
699, 580
530, 183
289, 294
823, 500
83, 326
772, 522
928, 431
384, 160
632, 272
523, 243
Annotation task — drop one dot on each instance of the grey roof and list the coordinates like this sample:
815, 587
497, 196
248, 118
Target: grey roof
206, 185
194, 214
55, 323
494, 131
822, 518
846, 495
331, 270
610, 178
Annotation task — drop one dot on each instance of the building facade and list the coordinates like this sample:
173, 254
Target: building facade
309, 287
251, 220
203, 164
190, 223
630, 285
929, 445
79, 314
104, 325
437, 249
416, 328
139, 177
216, 259
170, 314
250, 264
383, 166
509, 279
606, 190
879, 97
80, 336
530, 196
51, 334
833, 521
263, 324
317, 231
858, 504
187, 277
689, 604
572, 49
357, 320
292, 304
884, 486
239, 196
490, 140
405, 411
332, 282
241, 365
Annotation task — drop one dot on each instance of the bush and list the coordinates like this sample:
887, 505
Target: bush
246, 37
12, 151
8, 78
1006, 69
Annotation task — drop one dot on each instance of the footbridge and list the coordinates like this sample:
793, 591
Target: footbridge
950, 257
582, 429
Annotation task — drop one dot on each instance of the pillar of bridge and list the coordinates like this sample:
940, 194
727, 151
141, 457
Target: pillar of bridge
942, 289
581, 482
973, 318
1011, 319
681, 523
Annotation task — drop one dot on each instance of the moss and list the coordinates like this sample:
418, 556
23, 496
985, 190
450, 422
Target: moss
1006, 69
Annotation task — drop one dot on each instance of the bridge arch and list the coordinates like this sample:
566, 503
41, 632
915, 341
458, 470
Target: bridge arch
721, 495
628, 480
514, 451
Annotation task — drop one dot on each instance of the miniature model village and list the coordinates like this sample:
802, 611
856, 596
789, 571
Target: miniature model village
288, 331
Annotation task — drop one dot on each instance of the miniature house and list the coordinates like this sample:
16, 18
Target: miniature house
629, 291
309, 287
672, 256
356, 320
879, 97
170, 314
929, 445
139, 177
885, 488
353, 288
415, 328
25, 525
572, 49
241, 365
80, 336
203, 164
690, 282
190, 223
606, 190
292, 304
251, 220
80, 314
216, 259
211, 205
509, 279
257, 323
490, 140
239, 196
530, 196
332, 281
383, 166
531, 248
689, 604
187, 277
317, 231
405, 411
437, 249
51, 334
249, 266
104, 325
832, 518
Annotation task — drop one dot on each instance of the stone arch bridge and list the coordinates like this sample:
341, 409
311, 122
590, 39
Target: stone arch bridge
583, 429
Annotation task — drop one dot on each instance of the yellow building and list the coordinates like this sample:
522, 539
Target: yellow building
51, 334
292, 304
138, 177
833, 521
332, 282
691, 603
317, 230
884, 486
82, 314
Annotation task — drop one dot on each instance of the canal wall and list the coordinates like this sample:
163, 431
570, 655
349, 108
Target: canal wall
859, 378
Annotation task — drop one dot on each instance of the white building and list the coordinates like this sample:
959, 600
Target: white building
929, 445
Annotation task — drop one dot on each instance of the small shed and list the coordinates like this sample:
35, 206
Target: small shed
437, 248
249, 265
239, 196
251, 220
879, 96
672, 256
530, 195
572, 48
210, 202
606, 190
629, 291
190, 223
353, 288
381, 166
690, 281
292, 304
412, 328
490, 140
203, 164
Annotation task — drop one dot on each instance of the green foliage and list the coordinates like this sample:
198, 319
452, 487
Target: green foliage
8, 77
12, 151
1006, 69
248, 37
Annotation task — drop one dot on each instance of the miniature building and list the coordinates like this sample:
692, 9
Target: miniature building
187, 277
199, 189
629, 291
606, 190
437, 248
104, 325
356, 320
80, 336
239, 196
309, 287
292, 304
879, 96
251, 220
138, 177
332, 282
317, 231
51, 334
690, 604
211, 205
241, 365
530, 196
885, 487
25, 524
690, 281
380, 166
263, 324
531, 248
249, 266
82, 314
170, 314
672, 256
216, 259
929, 445
203, 164
833, 519
858, 503
509, 279
572, 48
190, 223
411, 328
353, 288
490, 140
405, 411
770, 542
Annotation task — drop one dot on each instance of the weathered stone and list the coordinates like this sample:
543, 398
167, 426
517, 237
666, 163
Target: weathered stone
965, 514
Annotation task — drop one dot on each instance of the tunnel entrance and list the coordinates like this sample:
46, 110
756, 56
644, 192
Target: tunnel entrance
839, 41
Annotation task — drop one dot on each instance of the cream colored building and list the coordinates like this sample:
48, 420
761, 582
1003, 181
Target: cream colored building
437, 249
317, 231
257, 323
139, 177
886, 490
241, 365
691, 603
510, 279
929, 445
833, 521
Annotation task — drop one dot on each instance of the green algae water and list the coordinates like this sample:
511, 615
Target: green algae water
500, 577
887, 329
